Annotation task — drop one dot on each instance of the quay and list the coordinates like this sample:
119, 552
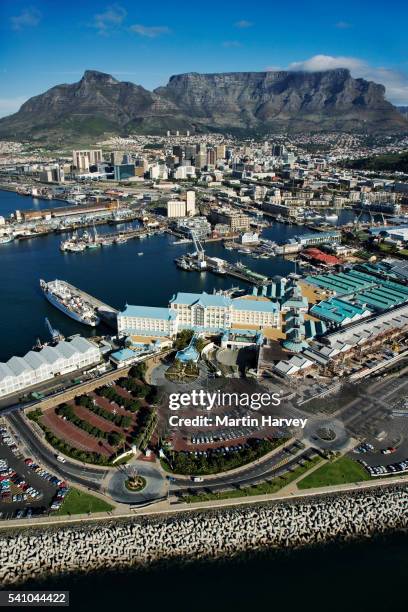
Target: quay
106, 313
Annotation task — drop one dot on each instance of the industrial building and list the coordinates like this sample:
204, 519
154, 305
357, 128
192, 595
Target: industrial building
21, 373
339, 312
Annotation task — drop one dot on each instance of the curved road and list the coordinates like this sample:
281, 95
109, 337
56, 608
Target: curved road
249, 476
90, 477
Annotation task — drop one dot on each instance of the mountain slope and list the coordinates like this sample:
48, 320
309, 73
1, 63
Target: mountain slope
98, 104
286, 100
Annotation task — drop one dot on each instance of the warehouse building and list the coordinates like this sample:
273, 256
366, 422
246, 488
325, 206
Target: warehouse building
21, 373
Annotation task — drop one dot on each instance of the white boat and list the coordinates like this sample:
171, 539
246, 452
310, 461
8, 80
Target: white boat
140, 254
6, 239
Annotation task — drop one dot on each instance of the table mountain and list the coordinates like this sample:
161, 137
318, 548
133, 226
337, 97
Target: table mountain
299, 101
246, 101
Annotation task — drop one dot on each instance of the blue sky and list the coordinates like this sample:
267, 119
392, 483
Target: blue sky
44, 43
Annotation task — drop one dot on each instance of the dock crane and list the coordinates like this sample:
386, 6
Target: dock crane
200, 253
55, 334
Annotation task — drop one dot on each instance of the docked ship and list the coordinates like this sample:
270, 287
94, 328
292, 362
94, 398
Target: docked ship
60, 295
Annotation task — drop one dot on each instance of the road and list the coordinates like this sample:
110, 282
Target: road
87, 476
92, 477
253, 474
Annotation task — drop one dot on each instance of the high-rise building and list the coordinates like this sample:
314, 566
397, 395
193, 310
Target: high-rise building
85, 158
211, 160
278, 150
178, 152
190, 152
220, 151
117, 157
176, 209
190, 203
201, 160
182, 208
124, 171
201, 148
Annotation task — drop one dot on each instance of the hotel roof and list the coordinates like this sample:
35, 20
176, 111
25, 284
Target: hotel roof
254, 305
205, 299
148, 312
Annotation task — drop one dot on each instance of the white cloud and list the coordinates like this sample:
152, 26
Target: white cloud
243, 23
395, 81
149, 31
231, 44
111, 18
343, 25
10, 105
28, 18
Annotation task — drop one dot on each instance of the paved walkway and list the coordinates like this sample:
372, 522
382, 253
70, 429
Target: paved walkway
165, 508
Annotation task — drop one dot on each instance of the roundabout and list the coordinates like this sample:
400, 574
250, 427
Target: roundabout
326, 434
140, 482
135, 483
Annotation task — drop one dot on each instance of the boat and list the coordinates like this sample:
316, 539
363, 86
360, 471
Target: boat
219, 270
60, 295
140, 254
182, 241
331, 217
121, 240
6, 239
106, 242
72, 246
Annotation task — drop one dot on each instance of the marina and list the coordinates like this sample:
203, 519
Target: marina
114, 275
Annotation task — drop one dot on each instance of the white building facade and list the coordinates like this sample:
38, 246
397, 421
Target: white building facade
20, 373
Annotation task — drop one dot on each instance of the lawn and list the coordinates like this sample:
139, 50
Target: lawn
78, 502
264, 488
341, 471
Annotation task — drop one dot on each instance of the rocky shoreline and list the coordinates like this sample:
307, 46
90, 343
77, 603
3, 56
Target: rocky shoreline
36, 553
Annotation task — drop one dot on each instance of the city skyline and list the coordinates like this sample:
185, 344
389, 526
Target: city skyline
147, 48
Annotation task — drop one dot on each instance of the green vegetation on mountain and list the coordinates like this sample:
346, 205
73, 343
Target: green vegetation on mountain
390, 162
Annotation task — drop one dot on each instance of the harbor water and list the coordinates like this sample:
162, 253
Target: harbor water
115, 274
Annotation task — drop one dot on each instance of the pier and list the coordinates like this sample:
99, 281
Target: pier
106, 313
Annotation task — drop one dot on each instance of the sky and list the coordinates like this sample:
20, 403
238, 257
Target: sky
46, 42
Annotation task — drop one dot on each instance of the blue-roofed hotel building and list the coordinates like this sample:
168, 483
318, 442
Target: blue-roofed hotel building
200, 312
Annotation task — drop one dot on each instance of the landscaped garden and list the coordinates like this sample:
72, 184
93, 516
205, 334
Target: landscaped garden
100, 426
215, 462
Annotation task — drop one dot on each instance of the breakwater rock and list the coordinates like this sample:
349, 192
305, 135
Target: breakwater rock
39, 552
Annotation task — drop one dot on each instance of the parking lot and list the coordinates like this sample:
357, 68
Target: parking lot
24, 492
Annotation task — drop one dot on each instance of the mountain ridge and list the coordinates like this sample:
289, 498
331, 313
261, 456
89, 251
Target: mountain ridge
290, 101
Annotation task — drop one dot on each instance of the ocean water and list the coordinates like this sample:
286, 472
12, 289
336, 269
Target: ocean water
362, 575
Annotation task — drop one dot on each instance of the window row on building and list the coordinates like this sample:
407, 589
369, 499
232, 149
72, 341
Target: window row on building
198, 311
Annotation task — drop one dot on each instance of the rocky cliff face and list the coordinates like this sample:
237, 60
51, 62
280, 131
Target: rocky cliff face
261, 101
96, 104
293, 100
